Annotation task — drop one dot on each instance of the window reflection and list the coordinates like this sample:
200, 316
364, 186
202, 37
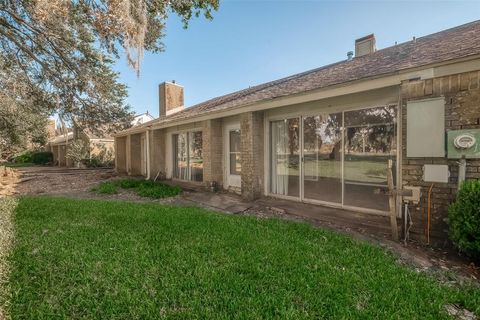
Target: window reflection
187, 156
285, 157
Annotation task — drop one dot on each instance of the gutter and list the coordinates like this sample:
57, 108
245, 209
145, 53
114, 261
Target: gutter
147, 142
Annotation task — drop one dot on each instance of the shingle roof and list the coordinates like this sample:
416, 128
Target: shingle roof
459, 42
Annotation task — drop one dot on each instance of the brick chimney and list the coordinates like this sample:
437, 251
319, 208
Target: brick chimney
365, 45
170, 98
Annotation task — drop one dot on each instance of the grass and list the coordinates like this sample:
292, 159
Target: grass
105, 259
17, 165
144, 188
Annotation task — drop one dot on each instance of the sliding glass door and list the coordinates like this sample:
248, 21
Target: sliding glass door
285, 157
322, 162
370, 142
339, 158
187, 156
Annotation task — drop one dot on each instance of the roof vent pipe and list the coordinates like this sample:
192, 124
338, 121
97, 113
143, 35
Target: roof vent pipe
349, 55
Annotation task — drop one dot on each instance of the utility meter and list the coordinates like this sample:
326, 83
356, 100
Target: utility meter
464, 141
463, 144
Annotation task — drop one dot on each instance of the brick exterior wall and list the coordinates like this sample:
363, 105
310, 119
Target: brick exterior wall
120, 154
212, 152
252, 137
135, 155
157, 154
462, 111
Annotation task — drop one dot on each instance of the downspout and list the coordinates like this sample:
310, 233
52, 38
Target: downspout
147, 142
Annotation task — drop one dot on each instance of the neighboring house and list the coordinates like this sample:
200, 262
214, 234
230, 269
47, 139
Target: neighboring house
140, 119
97, 145
326, 136
58, 145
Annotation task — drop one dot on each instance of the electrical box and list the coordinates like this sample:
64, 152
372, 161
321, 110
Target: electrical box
415, 197
436, 173
463, 143
426, 128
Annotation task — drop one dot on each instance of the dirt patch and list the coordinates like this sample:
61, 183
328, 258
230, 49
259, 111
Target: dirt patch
53, 180
8, 181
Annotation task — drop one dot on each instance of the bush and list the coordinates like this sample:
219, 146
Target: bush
24, 158
42, 157
144, 188
107, 187
464, 219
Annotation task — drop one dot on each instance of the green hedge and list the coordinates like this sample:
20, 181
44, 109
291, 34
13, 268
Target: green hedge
464, 219
42, 157
24, 158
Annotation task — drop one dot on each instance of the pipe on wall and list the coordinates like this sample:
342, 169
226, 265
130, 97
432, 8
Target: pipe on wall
147, 142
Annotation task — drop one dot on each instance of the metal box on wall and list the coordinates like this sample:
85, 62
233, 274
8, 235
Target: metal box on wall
463, 143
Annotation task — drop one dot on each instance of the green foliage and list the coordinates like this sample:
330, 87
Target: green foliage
107, 187
464, 219
103, 157
157, 190
42, 157
56, 56
144, 188
25, 157
90, 259
78, 150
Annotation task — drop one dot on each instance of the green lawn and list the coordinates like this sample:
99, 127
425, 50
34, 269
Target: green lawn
104, 260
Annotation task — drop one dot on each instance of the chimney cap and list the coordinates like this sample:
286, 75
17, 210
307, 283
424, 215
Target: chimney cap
367, 37
349, 55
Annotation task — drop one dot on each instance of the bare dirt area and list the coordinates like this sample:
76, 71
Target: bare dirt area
55, 180
8, 181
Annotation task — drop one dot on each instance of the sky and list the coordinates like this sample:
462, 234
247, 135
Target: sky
251, 42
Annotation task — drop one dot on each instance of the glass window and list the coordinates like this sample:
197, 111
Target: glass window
370, 142
235, 153
285, 157
187, 156
180, 158
322, 156
195, 156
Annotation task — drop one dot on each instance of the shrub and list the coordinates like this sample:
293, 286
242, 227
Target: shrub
77, 151
24, 158
129, 183
464, 219
143, 188
107, 187
42, 157
155, 190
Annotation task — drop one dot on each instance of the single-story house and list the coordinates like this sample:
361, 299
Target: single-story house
96, 145
326, 136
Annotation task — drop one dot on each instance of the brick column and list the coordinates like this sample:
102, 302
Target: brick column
120, 154
212, 152
135, 155
128, 155
252, 135
157, 154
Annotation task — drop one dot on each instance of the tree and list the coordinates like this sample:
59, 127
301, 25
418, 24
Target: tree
77, 151
63, 51
22, 121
